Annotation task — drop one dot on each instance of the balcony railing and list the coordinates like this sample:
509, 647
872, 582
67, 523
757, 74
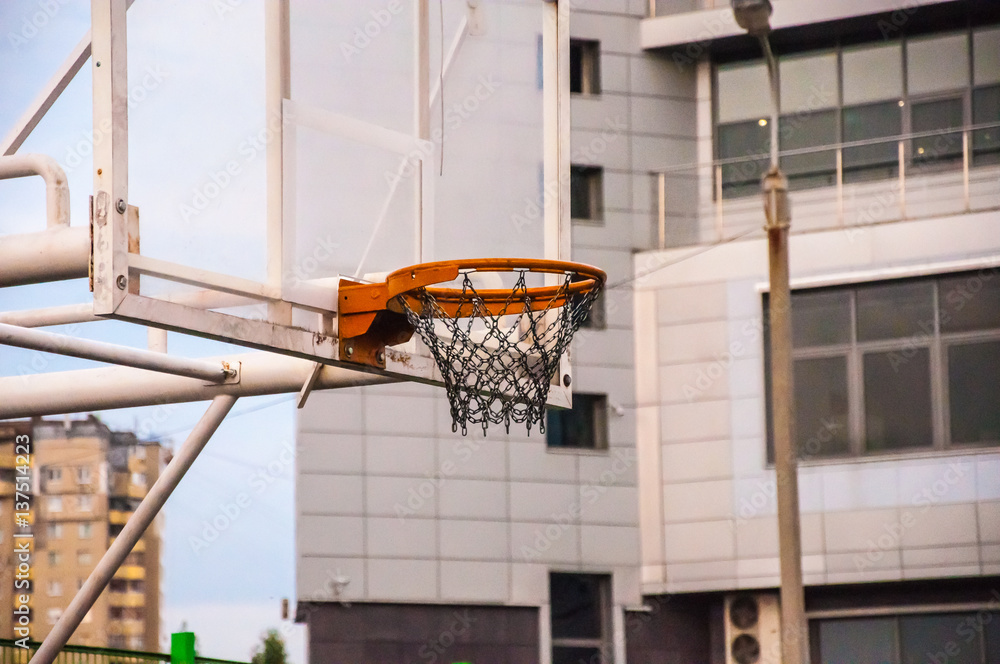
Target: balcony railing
843, 185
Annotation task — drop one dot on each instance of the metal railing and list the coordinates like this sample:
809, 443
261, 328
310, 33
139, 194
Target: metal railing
927, 174
11, 653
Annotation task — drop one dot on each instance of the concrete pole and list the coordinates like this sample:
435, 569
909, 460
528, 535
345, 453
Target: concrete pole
133, 530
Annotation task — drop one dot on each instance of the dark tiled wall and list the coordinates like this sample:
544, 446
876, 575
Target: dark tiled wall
677, 630
420, 634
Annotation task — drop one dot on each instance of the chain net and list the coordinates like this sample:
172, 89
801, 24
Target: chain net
498, 361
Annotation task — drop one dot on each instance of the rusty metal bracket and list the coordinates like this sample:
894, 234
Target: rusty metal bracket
366, 326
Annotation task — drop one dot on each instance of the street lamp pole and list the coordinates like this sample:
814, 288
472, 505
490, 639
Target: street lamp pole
754, 17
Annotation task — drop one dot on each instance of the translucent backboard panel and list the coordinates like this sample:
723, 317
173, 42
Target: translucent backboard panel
274, 155
483, 122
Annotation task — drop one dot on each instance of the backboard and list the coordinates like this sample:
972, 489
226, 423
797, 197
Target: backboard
388, 133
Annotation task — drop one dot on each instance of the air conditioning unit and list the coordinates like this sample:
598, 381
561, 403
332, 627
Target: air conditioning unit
753, 629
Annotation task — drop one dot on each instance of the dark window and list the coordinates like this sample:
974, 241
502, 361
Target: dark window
586, 185
597, 316
584, 66
894, 366
740, 140
869, 122
955, 638
807, 130
581, 613
861, 93
937, 116
585, 425
986, 110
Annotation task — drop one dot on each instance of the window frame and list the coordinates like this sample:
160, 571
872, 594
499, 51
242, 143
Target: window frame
732, 187
937, 342
593, 180
598, 411
590, 66
605, 642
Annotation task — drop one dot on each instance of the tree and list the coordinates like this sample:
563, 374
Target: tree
271, 651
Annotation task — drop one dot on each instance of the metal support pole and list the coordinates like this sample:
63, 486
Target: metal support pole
794, 635
22, 337
133, 530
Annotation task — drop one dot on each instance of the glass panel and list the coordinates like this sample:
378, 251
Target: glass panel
880, 160
895, 310
821, 406
986, 56
872, 641
991, 622
897, 399
970, 302
577, 611
974, 392
939, 638
934, 116
564, 655
860, 86
743, 92
585, 193
808, 83
807, 130
742, 140
583, 425
986, 109
934, 64
821, 318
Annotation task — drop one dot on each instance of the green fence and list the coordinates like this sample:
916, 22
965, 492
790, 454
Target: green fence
11, 653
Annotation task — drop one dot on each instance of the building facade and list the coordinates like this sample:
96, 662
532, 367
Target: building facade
85, 481
642, 526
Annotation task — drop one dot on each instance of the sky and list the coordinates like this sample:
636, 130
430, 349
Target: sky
196, 94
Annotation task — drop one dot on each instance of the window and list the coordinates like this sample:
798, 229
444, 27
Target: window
53, 474
830, 97
139, 451
54, 504
586, 188
584, 66
55, 589
54, 530
581, 613
86, 503
53, 615
957, 638
583, 426
83, 475
117, 641
898, 365
85, 530
83, 557
139, 479
597, 316
54, 558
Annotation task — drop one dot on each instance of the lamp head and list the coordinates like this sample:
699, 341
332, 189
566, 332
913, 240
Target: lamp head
754, 16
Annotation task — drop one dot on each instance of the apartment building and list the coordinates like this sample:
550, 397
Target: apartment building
642, 526
85, 482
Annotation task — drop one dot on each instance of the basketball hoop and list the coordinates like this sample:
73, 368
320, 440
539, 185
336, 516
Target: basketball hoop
498, 349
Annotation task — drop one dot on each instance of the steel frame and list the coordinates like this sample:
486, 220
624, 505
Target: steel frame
108, 253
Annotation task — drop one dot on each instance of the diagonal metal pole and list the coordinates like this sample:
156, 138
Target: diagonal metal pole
133, 530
